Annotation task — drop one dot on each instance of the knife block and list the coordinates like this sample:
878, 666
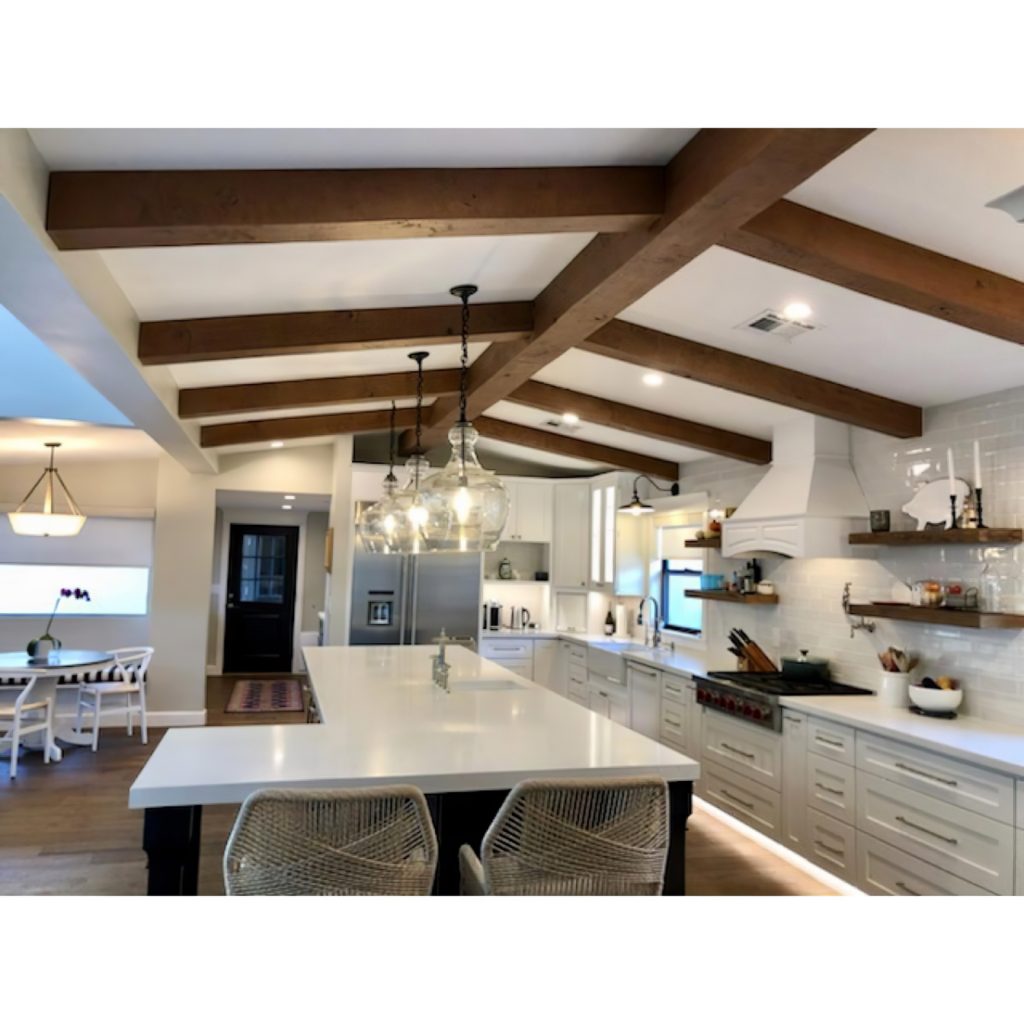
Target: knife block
743, 665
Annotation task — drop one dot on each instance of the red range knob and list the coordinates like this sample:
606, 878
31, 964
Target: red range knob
757, 715
747, 710
731, 704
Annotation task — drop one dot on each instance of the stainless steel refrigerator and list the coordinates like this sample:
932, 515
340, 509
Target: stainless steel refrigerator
406, 599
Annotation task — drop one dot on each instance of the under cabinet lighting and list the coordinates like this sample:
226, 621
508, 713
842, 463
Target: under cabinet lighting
653, 380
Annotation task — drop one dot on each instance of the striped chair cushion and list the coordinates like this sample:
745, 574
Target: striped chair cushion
105, 675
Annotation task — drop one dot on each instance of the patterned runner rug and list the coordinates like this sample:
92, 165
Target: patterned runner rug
255, 695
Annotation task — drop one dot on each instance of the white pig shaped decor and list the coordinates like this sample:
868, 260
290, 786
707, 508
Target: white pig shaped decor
931, 503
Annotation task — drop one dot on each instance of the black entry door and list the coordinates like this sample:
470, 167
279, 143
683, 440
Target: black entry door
260, 611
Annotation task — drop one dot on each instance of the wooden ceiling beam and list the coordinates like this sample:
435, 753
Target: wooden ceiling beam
130, 209
557, 444
346, 330
865, 261
733, 372
606, 413
215, 435
236, 399
716, 183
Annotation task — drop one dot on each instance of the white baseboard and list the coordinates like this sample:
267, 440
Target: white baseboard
154, 719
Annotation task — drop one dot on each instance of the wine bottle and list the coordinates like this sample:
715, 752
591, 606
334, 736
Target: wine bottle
609, 623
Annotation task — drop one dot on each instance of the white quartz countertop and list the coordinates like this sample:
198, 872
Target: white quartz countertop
384, 722
983, 742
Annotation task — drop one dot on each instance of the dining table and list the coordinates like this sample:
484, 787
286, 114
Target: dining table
43, 674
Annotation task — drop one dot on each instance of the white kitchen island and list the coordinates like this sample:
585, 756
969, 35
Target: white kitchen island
384, 722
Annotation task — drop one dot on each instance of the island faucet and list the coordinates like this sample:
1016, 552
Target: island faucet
655, 640
440, 667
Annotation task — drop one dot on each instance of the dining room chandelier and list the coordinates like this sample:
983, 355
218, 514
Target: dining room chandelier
48, 522
467, 504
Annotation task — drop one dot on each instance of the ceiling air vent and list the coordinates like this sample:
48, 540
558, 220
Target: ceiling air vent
775, 324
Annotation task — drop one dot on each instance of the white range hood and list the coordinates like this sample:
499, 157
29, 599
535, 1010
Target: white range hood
808, 502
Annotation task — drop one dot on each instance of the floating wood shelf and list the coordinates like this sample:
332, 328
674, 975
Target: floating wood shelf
940, 616
706, 542
914, 538
729, 595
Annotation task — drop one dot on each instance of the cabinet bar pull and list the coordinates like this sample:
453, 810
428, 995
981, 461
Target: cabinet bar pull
927, 831
831, 743
925, 775
736, 799
790, 718
736, 750
828, 849
643, 671
671, 720
672, 689
906, 888
829, 789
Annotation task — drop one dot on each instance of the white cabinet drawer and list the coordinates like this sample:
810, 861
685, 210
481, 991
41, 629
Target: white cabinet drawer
831, 844
521, 666
754, 804
830, 739
961, 842
673, 687
672, 730
952, 781
502, 650
1019, 890
578, 673
578, 692
831, 787
747, 749
882, 870
575, 652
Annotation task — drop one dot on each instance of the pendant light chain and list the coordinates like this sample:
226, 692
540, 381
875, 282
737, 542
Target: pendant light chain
419, 357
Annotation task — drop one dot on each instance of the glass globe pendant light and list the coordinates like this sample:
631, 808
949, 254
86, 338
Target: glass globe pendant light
381, 525
468, 504
409, 505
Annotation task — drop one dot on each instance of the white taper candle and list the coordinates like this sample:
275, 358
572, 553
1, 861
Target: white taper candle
949, 464
977, 466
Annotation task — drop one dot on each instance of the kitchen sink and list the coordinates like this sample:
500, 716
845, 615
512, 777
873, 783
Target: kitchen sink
459, 685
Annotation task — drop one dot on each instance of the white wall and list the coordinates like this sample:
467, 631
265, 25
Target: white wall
338, 597
986, 662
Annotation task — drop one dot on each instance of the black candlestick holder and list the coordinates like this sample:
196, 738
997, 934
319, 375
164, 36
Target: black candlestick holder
977, 507
952, 512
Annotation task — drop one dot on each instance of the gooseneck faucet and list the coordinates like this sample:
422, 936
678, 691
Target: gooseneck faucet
655, 640
440, 667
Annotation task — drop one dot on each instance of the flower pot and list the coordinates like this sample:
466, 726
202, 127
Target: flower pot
41, 648
894, 691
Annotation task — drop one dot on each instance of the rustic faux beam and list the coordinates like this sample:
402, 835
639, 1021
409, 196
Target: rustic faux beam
733, 372
129, 209
606, 413
345, 330
557, 444
716, 183
216, 435
233, 399
885, 268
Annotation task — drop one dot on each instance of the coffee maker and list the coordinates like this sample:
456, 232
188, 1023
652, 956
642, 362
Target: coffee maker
492, 615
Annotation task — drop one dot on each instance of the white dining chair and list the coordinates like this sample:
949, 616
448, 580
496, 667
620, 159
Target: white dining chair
574, 837
377, 841
28, 714
127, 679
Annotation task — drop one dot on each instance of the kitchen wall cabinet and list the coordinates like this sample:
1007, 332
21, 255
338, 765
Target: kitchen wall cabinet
794, 780
531, 509
570, 551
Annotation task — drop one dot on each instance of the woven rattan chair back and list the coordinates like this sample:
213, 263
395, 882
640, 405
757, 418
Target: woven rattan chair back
579, 838
360, 842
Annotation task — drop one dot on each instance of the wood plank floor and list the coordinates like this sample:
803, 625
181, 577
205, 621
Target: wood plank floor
66, 828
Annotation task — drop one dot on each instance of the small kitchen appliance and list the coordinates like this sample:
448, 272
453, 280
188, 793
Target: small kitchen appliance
492, 614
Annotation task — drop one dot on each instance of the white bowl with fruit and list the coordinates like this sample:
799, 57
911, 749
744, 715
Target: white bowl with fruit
940, 694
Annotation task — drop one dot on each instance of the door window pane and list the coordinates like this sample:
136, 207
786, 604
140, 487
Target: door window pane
262, 570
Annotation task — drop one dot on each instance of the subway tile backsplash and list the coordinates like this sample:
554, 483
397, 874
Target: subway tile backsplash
989, 664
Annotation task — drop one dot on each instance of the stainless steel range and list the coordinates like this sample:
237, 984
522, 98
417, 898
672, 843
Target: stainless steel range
754, 696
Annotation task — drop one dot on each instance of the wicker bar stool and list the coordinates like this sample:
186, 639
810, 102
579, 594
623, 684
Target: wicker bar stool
332, 842
574, 837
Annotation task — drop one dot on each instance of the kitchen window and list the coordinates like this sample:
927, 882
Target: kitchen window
681, 613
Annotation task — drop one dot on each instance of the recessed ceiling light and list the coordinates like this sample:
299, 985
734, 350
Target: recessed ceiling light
287, 508
653, 380
289, 497
797, 311
277, 444
570, 417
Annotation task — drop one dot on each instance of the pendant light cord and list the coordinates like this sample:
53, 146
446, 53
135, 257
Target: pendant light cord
419, 407
391, 446
464, 369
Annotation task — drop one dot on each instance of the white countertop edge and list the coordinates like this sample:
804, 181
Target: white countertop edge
977, 740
